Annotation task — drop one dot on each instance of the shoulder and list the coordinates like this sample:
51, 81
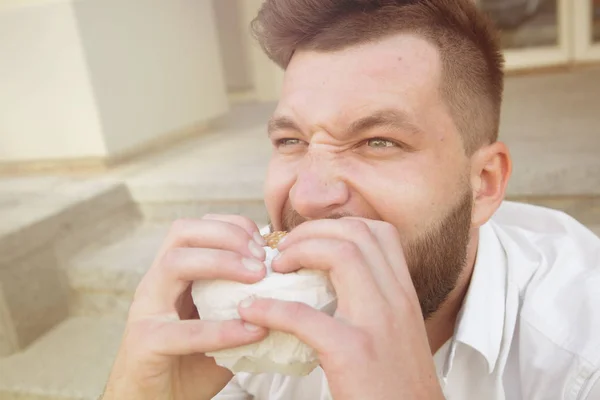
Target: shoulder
555, 262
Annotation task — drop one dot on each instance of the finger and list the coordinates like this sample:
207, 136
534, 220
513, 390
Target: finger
158, 288
213, 234
184, 265
191, 264
358, 232
243, 222
389, 238
315, 328
178, 338
346, 265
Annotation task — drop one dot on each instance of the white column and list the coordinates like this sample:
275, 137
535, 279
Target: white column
104, 78
266, 75
155, 66
47, 105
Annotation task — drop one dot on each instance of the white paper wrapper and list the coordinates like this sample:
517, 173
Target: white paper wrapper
279, 352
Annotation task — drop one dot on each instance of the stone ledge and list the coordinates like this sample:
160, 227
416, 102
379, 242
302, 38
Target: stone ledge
51, 223
72, 362
36, 220
585, 209
119, 266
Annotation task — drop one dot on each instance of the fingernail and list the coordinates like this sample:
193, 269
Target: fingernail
256, 250
251, 327
259, 239
252, 264
246, 302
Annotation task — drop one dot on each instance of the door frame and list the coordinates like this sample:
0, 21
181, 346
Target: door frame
585, 49
546, 56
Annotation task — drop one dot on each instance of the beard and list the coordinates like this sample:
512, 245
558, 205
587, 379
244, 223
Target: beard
435, 258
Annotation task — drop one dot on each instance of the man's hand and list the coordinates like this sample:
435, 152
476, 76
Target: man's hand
375, 347
161, 355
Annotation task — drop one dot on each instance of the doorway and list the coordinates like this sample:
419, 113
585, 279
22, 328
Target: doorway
546, 33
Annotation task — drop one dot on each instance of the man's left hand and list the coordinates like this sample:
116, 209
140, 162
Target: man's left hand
375, 346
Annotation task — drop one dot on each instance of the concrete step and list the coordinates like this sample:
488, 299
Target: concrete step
44, 222
71, 362
103, 280
221, 172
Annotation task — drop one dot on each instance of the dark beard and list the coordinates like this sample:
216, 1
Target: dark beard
435, 260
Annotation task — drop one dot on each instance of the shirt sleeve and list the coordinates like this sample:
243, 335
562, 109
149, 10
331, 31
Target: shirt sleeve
233, 391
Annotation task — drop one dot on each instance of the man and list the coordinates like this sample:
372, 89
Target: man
387, 172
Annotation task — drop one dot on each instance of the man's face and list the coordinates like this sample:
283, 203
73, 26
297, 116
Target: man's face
365, 132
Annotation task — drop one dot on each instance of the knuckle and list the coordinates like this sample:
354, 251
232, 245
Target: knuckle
294, 310
363, 344
170, 259
387, 319
348, 250
390, 230
180, 224
140, 293
358, 227
236, 219
174, 264
195, 331
143, 334
244, 221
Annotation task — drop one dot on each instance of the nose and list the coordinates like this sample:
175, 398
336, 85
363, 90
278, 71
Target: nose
318, 192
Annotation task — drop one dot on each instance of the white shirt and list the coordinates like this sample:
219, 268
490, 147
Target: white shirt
529, 327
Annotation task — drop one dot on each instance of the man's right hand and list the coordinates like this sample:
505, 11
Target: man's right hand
162, 351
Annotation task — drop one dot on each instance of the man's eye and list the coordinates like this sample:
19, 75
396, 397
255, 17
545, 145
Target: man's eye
379, 143
288, 142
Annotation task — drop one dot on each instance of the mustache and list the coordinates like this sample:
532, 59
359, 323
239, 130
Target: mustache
291, 219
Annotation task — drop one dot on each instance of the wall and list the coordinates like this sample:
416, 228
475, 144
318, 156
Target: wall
267, 77
234, 48
102, 78
47, 109
155, 66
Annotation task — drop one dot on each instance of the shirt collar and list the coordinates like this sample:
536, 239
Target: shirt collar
480, 322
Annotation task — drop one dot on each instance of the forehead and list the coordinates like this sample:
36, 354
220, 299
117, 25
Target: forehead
402, 71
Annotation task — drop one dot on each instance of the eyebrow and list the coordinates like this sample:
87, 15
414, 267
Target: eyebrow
281, 123
389, 118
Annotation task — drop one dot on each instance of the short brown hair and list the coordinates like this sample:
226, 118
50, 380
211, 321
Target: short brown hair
472, 61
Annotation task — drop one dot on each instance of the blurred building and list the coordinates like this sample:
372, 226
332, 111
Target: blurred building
89, 83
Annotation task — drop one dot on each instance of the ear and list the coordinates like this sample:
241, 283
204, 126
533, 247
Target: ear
491, 167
